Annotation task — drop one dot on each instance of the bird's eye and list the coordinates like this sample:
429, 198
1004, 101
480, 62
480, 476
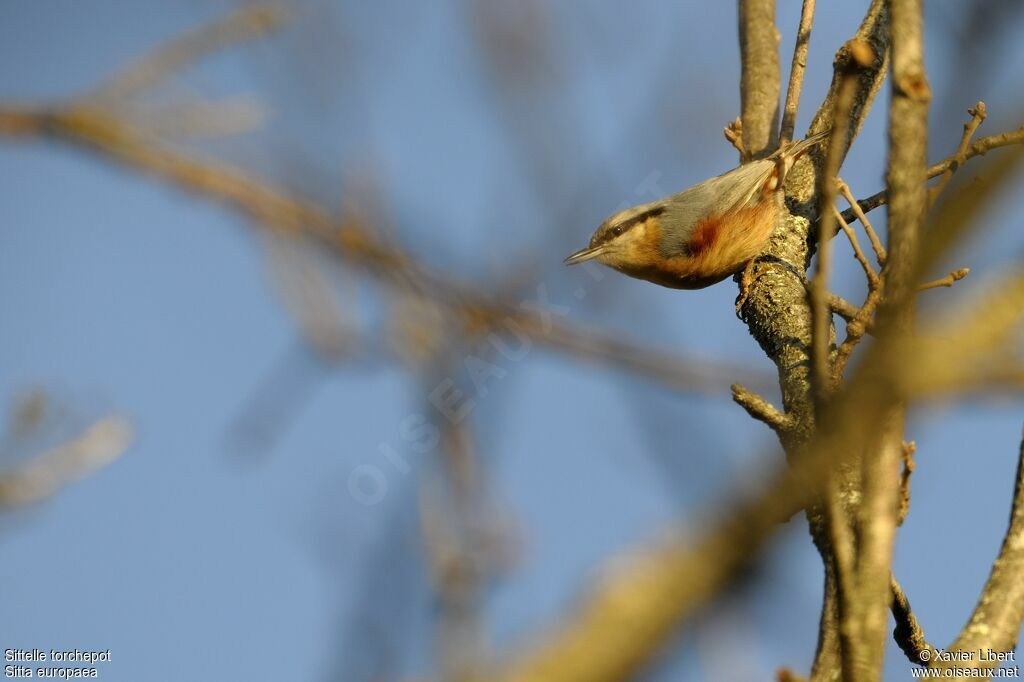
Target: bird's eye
617, 230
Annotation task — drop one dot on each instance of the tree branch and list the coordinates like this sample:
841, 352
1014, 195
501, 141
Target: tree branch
979, 148
776, 310
947, 281
978, 113
878, 512
908, 633
762, 410
823, 331
760, 78
796, 71
350, 241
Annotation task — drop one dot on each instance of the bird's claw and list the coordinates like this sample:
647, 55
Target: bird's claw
746, 280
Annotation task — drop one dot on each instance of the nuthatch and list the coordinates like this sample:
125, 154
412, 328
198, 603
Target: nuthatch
701, 235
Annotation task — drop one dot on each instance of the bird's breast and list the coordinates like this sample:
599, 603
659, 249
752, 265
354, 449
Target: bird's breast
716, 247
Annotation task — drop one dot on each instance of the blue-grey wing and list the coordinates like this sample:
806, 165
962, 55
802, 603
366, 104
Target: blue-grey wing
739, 188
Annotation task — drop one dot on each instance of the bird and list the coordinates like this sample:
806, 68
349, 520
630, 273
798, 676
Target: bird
703, 234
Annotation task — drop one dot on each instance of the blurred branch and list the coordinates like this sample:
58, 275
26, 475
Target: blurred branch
354, 243
858, 253
822, 329
857, 324
93, 449
842, 307
450, 516
760, 77
248, 23
877, 517
796, 72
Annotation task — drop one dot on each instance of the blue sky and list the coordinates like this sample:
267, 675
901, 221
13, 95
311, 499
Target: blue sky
203, 553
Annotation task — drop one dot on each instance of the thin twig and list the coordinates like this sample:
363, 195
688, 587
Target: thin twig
821, 313
876, 243
909, 449
979, 148
762, 410
244, 24
908, 633
978, 113
452, 519
776, 311
869, 272
796, 72
947, 281
843, 308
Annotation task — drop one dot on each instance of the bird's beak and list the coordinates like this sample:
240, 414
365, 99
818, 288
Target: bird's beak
585, 254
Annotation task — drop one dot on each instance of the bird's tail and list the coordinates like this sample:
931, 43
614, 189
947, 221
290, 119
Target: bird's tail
796, 149
787, 156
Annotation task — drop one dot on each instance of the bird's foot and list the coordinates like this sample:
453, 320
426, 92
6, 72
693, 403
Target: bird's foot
746, 280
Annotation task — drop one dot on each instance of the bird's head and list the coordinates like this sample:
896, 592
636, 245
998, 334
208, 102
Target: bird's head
624, 238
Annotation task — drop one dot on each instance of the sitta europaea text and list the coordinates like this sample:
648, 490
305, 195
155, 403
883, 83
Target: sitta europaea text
703, 234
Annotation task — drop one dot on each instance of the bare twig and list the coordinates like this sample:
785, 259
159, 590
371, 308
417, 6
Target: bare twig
821, 312
947, 281
796, 72
879, 508
909, 449
908, 633
856, 327
858, 254
978, 113
762, 410
760, 78
840, 306
94, 448
979, 148
857, 323
876, 243
247, 23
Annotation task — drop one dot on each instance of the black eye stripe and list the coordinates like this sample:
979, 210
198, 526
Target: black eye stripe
613, 231
639, 218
